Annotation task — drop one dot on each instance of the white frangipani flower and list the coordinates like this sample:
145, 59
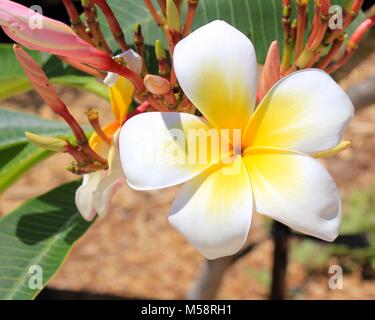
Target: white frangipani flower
95, 194
302, 117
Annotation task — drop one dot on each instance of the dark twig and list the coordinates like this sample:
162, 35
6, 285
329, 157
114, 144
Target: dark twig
280, 235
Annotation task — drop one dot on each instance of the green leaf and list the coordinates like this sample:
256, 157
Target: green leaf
14, 124
40, 233
16, 160
260, 20
9, 65
13, 80
89, 84
17, 155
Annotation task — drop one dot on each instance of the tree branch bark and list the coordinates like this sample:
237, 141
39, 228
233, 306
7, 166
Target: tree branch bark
212, 272
280, 234
209, 279
362, 94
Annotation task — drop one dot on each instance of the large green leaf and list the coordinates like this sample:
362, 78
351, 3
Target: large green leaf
259, 19
16, 160
17, 155
13, 80
39, 234
14, 124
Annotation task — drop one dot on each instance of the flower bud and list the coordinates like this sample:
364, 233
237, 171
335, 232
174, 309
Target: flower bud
156, 85
159, 50
48, 35
173, 16
47, 143
271, 70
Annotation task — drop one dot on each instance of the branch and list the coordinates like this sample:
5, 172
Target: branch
212, 273
362, 94
354, 241
280, 234
209, 279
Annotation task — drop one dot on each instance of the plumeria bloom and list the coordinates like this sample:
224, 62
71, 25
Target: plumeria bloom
301, 118
95, 194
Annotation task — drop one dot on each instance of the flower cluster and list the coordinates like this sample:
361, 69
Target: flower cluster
238, 149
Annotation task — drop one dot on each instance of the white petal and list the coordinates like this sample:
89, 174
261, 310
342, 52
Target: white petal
85, 194
154, 149
296, 190
216, 68
306, 111
103, 194
133, 61
213, 211
111, 79
109, 184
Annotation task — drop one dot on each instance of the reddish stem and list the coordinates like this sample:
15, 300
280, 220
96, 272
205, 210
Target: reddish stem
192, 9
164, 70
159, 21
163, 7
80, 66
349, 16
333, 51
76, 21
313, 60
77, 155
93, 117
353, 44
113, 24
320, 28
92, 22
301, 26
140, 109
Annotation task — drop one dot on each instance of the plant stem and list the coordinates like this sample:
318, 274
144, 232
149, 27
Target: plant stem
280, 235
113, 23
192, 8
301, 25
92, 22
76, 21
159, 21
209, 279
287, 56
212, 273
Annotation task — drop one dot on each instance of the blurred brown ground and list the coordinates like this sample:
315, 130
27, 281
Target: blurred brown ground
135, 253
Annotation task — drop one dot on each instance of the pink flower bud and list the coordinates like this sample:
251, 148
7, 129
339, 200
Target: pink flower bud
37, 32
157, 85
271, 70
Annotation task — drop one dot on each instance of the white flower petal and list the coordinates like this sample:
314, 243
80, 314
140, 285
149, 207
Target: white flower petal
216, 68
102, 196
133, 61
306, 111
296, 190
111, 79
213, 211
85, 194
154, 149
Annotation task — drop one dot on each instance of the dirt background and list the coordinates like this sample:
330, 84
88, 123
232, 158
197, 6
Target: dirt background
135, 253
